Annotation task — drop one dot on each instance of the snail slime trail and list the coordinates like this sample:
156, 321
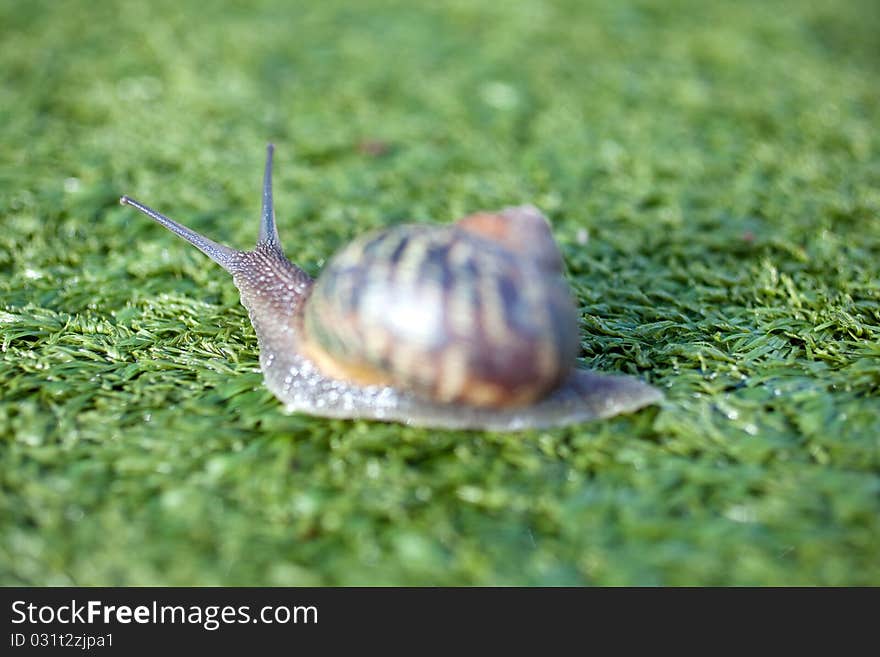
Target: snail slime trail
469, 325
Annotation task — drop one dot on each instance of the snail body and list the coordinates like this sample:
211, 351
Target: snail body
467, 325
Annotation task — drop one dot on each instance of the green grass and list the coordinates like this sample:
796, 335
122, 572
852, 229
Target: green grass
723, 157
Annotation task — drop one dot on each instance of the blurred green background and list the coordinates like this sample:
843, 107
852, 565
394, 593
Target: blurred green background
722, 158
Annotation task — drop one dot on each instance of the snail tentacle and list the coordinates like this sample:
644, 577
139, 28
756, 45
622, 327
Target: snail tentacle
224, 256
268, 229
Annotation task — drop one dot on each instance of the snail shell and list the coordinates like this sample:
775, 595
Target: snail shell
468, 325
447, 312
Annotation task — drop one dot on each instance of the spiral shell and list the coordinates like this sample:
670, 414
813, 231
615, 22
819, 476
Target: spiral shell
462, 313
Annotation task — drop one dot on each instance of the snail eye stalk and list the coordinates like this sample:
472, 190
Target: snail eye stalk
268, 230
222, 255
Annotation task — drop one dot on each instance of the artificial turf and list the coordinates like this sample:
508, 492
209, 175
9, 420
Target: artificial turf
712, 172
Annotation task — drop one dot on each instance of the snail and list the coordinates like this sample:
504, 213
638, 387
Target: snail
462, 326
